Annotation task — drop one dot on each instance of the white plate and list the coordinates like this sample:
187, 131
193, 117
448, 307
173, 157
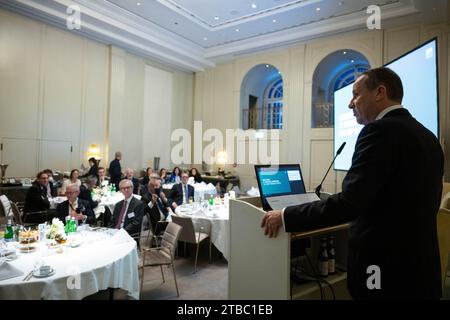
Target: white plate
37, 274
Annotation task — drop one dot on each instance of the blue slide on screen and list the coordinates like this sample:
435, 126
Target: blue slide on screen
418, 72
280, 181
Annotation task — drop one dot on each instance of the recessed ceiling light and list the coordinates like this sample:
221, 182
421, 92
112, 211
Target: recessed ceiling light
175, 23
274, 20
237, 30
352, 61
253, 5
267, 65
344, 52
205, 38
279, 72
317, 9
138, 3
216, 18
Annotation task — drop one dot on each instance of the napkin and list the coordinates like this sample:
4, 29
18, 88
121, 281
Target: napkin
7, 271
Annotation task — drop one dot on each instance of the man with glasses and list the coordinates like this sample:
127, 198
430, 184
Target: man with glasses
75, 207
128, 213
181, 192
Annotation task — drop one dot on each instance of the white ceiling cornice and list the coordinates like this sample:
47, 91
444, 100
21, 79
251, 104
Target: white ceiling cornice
322, 28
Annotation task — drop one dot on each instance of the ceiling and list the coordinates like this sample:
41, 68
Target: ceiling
192, 35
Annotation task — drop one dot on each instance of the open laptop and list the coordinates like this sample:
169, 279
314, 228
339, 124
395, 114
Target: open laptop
282, 186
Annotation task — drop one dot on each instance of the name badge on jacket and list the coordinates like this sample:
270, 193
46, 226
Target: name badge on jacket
131, 215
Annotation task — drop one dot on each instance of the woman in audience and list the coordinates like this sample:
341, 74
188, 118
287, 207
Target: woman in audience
194, 173
93, 170
163, 176
176, 175
146, 179
74, 174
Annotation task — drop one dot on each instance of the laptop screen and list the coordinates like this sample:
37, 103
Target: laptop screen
279, 180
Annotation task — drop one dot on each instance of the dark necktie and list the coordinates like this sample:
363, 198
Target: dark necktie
121, 214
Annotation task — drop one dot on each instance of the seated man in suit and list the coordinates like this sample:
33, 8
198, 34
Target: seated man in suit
181, 192
129, 174
75, 207
128, 213
51, 188
86, 189
37, 199
102, 179
158, 206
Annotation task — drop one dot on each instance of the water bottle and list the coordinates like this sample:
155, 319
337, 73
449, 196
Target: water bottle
211, 200
9, 233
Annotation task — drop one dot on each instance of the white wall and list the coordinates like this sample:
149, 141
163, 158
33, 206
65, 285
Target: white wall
60, 93
157, 111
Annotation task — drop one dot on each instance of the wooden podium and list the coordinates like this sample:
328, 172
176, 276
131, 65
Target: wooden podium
259, 267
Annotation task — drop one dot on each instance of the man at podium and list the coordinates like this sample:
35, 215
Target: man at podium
391, 196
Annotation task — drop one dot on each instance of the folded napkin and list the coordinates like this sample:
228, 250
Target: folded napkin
7, 271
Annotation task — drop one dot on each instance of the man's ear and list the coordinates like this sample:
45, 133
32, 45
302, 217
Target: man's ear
380, 93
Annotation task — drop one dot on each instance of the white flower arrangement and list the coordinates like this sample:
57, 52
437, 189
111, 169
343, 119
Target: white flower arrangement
57, 231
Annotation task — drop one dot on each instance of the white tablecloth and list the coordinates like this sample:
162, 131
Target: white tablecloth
218, 216
100, 262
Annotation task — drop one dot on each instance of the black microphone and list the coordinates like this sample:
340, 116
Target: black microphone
338, 152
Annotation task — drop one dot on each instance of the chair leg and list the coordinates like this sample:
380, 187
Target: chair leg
175, 278
196, 256
142, 282
162, 273
210, 250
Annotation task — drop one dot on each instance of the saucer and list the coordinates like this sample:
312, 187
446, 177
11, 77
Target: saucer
37, 273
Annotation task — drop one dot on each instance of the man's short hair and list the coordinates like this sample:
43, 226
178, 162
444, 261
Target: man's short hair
91, 179
48, 171
386, 77
40, 173
154, 176
118, 154
101, 168
184, 172
125, 181
73, 187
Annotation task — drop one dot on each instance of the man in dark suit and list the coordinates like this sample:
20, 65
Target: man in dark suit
391, 196
75, 207
51, 188
181, 192
128, 213
37, 199
102, 179
115, 170
158, 206
129, 174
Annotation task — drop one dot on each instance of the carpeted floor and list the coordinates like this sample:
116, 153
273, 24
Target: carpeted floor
210, 282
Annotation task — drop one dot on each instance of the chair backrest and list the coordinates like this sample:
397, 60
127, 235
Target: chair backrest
5, 204
17, 214
188, 234
170, 238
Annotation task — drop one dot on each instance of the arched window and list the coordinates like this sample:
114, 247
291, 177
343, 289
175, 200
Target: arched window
273, 105
335, 71
262, 98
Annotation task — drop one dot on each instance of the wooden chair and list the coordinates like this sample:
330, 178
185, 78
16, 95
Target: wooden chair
189, 235
163, 255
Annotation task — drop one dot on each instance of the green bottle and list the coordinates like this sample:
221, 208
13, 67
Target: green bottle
211, 200
9, 233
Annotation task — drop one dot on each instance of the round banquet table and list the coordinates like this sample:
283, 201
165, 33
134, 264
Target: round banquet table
105, 259
217, 216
